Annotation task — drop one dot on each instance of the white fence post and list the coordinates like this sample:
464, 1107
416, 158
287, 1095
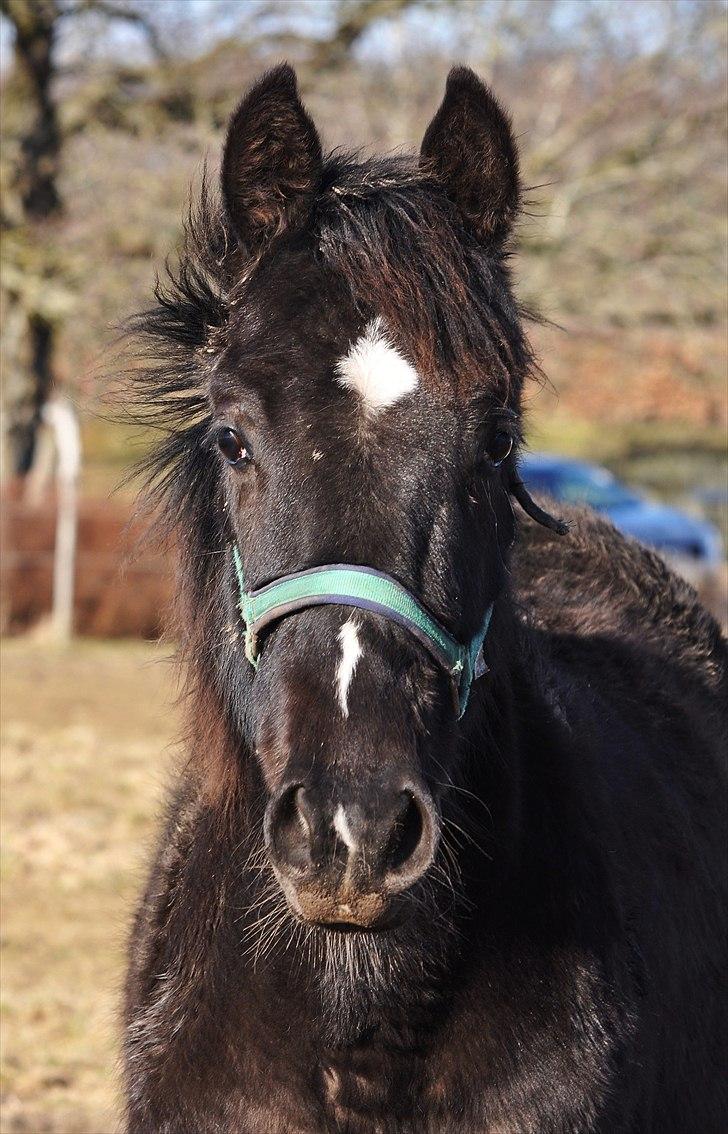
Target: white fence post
60, 415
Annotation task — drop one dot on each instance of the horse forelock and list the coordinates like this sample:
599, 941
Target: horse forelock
385, 226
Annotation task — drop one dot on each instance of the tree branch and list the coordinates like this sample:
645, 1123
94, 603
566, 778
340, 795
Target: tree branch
115, 11
354, 19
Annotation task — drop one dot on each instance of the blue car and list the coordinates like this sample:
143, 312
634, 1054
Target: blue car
690, 544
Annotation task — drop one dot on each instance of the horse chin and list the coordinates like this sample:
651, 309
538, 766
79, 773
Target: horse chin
365, 977
356, 978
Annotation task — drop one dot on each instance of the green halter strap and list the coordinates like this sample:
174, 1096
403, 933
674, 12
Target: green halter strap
344, 584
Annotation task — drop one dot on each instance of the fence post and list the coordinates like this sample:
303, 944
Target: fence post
60, 415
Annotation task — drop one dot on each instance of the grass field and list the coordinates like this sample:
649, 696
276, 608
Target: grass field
85, 751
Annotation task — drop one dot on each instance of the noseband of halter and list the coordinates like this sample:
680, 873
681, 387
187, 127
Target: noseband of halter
345, 584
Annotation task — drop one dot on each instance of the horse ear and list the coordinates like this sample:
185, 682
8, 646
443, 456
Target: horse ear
469, 146
271, 166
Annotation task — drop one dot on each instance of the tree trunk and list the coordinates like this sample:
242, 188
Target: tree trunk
36, 181
27, 394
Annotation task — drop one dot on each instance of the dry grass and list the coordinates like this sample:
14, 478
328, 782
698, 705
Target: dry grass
85, 743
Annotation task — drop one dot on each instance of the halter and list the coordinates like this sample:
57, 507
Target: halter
345, 584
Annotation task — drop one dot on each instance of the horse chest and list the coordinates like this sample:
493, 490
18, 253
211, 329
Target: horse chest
381, 1093
369, 1091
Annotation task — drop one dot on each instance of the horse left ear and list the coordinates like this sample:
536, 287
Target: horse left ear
470, 148
271, 166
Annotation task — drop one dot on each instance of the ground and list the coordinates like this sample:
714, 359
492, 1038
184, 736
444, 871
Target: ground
86, 750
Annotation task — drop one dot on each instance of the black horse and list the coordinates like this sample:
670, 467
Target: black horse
378, 906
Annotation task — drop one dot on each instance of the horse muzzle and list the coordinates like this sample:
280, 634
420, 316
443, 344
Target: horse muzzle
346, 861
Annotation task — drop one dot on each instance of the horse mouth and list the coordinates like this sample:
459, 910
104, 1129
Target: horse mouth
347, 919
353, 928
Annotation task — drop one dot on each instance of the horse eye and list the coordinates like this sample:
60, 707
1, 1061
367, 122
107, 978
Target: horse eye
232, 447
500, 447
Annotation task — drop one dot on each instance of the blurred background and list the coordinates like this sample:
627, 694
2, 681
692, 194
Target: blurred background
108, 111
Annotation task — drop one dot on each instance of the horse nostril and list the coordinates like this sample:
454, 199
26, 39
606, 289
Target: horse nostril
411, 843
288, 829
405, 834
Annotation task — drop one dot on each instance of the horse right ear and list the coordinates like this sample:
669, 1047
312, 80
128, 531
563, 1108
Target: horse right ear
271, 166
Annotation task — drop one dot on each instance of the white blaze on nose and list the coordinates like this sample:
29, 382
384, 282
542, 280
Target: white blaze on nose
375, 370
342, 828
350, 654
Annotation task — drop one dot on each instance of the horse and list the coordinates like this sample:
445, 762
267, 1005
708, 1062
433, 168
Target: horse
445, 853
